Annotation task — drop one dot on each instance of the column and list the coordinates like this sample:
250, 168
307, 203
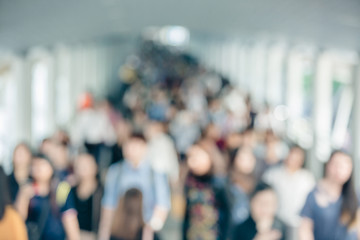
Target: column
275, 67
356, 124
322, 116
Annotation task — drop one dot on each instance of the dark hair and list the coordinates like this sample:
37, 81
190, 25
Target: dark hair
129, 209
349, 204
54, 182
260, 187
44, 157
233, 154
65, 141
4, 193
137, 135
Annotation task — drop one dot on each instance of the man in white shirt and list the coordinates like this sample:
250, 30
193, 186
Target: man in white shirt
292, 184
161, 151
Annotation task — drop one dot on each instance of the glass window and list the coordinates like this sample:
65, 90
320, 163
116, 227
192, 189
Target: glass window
40, 101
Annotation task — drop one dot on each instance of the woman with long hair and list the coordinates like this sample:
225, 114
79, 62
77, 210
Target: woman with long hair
331, 209
207, 212
47, 204
128, 223
241, 182
87, 194
11, 225
21, 169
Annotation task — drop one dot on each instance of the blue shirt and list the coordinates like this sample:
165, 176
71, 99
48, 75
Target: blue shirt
153, 185
327, 225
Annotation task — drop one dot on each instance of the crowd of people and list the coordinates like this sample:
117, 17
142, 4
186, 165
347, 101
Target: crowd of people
185, 145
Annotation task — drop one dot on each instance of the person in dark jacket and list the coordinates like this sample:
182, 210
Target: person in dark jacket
21, 169
262, 223
207, 213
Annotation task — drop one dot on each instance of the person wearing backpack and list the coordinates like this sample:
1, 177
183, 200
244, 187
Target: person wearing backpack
135, 172
47, 204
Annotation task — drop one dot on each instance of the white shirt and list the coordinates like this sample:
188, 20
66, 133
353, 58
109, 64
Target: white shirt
163, 157
92, 126
292, 190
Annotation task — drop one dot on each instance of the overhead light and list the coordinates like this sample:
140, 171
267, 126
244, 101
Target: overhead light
174, 35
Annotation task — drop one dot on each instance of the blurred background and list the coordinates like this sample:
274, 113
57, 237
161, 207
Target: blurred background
301, 57
298, 61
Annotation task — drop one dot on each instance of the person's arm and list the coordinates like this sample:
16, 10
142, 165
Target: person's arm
108, 203
68, 211
162, 207
106, 218
71, 225
158, 218
22, 202
270, 235
148, 233
306, 229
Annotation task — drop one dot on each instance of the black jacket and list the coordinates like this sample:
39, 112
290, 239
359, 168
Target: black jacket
221, 204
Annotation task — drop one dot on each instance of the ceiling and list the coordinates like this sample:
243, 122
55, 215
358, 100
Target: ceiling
333, 23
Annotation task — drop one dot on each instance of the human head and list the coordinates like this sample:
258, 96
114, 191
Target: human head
339, 167
214, 104
41, 170
295, 159
234, 140
338, 170
62, 137
85, 167
22, 156
46, 146
212, 132
263, 203
199, 160
270, 136
243, 161
153, 128
123, 130
59, 155
135, 149
85, 101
